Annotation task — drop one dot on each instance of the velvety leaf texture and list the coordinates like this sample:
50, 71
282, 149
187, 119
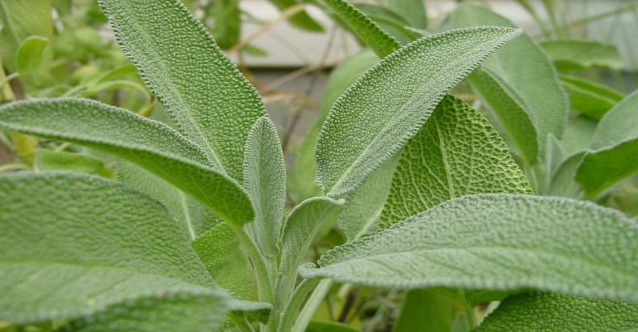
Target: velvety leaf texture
374, 118
75, 244
180, 311
265, 182
211, 102
456, 152
145, 142
498, 242
531, 312
589, 98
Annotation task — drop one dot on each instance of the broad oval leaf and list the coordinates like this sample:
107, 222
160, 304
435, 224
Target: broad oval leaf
498, 242
372, 120
615, 148
540, 311
148, 143
456, 153
265, 182
74, 244
30, 54
207, 97
175, 311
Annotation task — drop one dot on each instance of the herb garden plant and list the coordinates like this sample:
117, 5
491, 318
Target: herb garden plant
193, 234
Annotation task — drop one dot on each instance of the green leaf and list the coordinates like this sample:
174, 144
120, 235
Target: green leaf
456, 153
615, 148
365, 28
526, 74
302, 177
176, 311
221, 254
265, 182
300, 20
317, 326
47, 160
412, 11
207, 97
589, 98
514, 119
30, 54
226, 22
427, 310
146, 142
562, 182
374, 118
578, 135
363, 206
498, 242
539, 311
75, 244
389, 21
570, 54
20, 20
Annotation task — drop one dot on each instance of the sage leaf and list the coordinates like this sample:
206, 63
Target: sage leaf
301, 20
48, 160
573, 54
589, 98
148, 143
425, 310
615, 148
374, 118
265, 182
75, 244
389, 21
412, 10
226, 22
525, 70
538, 311
30, 54
207, 97
456, 153
497, 242
177, 311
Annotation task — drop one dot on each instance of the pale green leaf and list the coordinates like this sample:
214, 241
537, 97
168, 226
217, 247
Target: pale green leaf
265, 182
578, 135
365, 28
221, 254
207, 97
374, 118
20, 20
412, 11
615, 148
456, 153
47, 160
572, 54
226, 22
427, 310
525, 71
389, 21
302, 177
498, 242
562, 182
363, 206
175, 311
531, 312
514, 119
300, 20
589, 98
30, 54
316, 326
75, 244
148, 143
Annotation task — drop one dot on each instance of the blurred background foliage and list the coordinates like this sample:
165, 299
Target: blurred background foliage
64, 48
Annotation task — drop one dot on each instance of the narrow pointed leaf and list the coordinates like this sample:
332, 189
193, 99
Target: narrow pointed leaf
207, 97
572, 54
498, 242
615, 148
456, 153
265, 182
301, 20
148, 143
226, 22
374, 118
589, 98
365, 28
559, 313
75, 244
525, 70
412, 10
389, 21
177, 311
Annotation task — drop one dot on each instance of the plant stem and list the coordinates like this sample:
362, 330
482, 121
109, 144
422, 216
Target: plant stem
287, 316
241, 323
312, 305
262, 272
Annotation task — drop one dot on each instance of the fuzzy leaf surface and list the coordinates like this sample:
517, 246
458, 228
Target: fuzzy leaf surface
75, 244
375, 117
265, 182
498, 242
412, 10
542, 312
148, 143
456, 153
589, 98
207, 97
